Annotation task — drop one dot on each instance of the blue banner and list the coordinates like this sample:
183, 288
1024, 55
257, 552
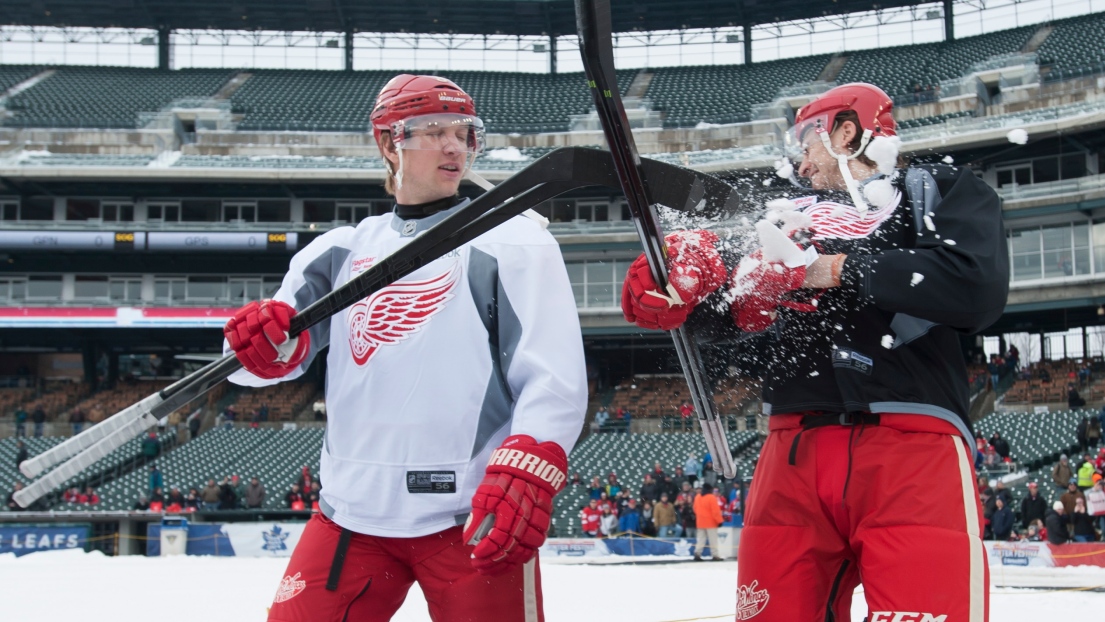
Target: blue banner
24, 539
203, 539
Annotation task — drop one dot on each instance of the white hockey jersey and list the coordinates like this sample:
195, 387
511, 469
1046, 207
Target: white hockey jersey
426, 377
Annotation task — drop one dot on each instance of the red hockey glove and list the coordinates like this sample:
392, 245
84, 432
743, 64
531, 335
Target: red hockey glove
258, 334
763, 277
695, 270
512, 507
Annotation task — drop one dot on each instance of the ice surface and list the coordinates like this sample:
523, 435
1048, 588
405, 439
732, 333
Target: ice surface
128, 589
1017, 136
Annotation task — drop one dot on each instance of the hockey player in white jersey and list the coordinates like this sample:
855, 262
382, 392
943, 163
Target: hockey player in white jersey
453, 395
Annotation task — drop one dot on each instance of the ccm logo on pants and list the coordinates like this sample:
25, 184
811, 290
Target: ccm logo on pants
906, 616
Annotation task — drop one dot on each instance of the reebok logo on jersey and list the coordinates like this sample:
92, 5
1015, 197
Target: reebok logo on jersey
906, 616
518, 459
395, 313
840, 221
750, 601
290, 587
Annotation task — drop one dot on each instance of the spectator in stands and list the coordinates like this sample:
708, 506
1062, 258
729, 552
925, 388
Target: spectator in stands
194, 422
984, 493
707, 519
1013, 358
686, 411
1072, 495
608, 524
21, 421
686, 517
175, 497
142, 505
601, 418
709, 475
606, 502
1001, 522
70, 495
1032, 534
626, 420
658, 473
589, 518
1074, 400
691, 467
995, 371
678, 479
228, 494
1093, 433
88, 497
1081, 432
156, 479
1000, 445
39, 419
664, 518
210, 496
575, 481
263, 412
319, 409
999, 492
1085, 473
77, 419
150, 446
20, 453
621, 501
294, 499
1062, 473
612, 485
156, 496
255, 420
1082, 523
1056, 523
1033, 506
595, 490
648, 514
10, 503
629, 520
192, 501
650, 491
668, 486
254, 494
686, 494
305, 477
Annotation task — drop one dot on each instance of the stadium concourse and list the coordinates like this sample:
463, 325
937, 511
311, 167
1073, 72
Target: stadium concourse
140, 206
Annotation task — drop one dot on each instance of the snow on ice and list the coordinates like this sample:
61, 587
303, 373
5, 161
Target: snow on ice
128, 589
506, 154
1017, 136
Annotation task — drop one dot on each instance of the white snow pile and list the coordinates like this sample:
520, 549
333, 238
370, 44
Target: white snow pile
1017, 136
506, 154
948, 160
917, 278
781, 205
887, 341
884, 151
879, 192
26, 154
702, 125
783, 168
778, 247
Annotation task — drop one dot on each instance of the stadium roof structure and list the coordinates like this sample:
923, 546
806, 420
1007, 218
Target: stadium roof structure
481, 17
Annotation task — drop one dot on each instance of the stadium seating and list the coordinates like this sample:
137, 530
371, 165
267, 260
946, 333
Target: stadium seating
909, 124
107, 97
1074, 47
285, 400
86, 159
282, 162
725, 93
1035, 440
658, 396
11, 75
56, 398
8, 472
630, 456
274, 456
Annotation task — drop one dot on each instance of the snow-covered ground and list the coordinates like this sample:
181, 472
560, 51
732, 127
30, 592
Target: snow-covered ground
68, 585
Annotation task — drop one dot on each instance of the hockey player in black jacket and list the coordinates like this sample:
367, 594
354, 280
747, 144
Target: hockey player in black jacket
867, 473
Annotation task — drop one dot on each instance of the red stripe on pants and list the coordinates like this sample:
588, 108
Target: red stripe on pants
378, 572
904, 529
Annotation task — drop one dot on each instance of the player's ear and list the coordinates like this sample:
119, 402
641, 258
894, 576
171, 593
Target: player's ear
846, 133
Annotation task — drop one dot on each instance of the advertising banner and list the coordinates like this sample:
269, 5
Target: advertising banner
1035, 554
25, 539
234, 539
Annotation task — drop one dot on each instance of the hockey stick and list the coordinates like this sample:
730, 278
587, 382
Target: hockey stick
555, 173
596, 47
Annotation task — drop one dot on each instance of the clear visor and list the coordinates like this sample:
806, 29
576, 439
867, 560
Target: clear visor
440, 131
801, 135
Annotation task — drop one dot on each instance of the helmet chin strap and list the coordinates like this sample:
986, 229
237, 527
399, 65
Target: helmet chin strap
398, 172
842, 162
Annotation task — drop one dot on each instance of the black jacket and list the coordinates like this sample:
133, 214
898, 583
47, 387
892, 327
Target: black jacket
887, 339
1002, 523
1032, 509
1057, 532
1082, 525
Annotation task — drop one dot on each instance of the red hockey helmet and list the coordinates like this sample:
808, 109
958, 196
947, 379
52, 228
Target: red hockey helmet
869, 102
406, 96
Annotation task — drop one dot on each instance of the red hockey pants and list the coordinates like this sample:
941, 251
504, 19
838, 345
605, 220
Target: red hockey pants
377, 572
892, 504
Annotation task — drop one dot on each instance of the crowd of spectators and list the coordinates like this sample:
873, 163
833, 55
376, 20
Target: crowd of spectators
679, 503
1077, 513
231, 493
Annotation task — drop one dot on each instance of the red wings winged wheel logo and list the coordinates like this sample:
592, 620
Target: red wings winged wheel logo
395, 313
836, 220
